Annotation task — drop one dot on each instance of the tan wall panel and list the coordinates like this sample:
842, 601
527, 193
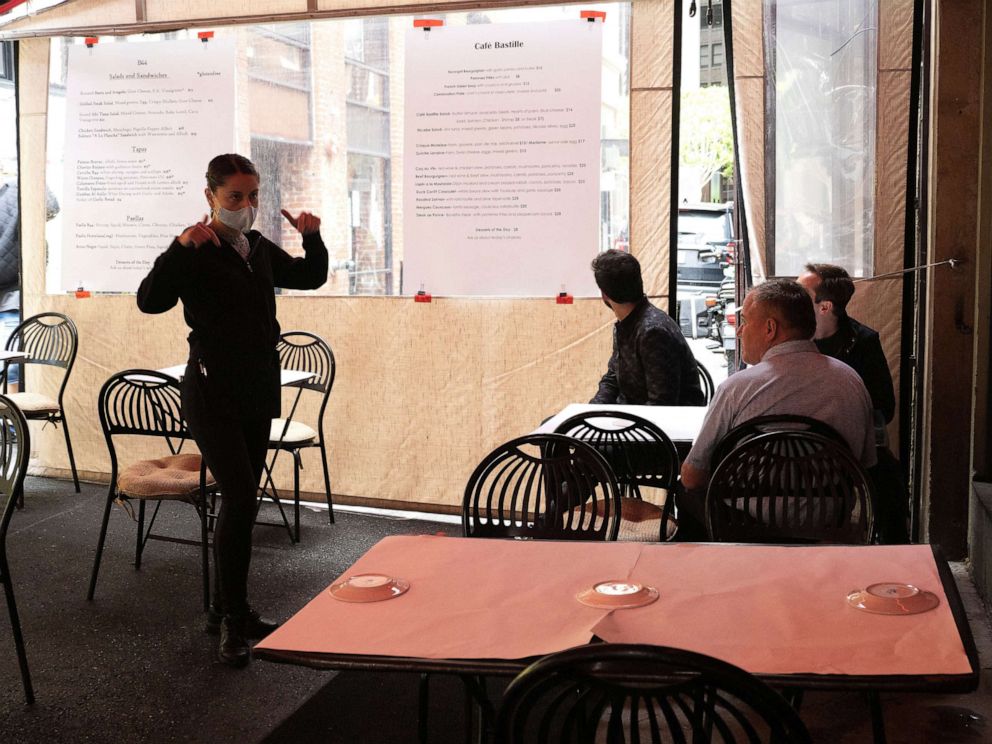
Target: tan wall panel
890, 168
422, 393
34, 55
750, 94
171, 10
650, 184
895, 37
651, 38
749, 43
76, 14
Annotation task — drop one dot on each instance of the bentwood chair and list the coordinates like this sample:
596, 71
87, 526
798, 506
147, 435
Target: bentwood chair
48, 339
617, 693
542, 486
705, 382
764, 424
641, 456
15, 449
790, 487
303, 352
145, 403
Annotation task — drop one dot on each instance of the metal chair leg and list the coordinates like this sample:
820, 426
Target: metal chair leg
68, 447
205, 554
297, 466
100, 541
327, 483
15, 626
141, 534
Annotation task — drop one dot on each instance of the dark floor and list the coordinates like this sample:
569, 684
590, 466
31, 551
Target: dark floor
135, 665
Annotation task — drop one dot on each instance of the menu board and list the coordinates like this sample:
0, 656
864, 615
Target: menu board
502, 158
142, 122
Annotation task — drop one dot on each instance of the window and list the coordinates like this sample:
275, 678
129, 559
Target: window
6, 61
822, 124
704, 56
717, 55
319, 110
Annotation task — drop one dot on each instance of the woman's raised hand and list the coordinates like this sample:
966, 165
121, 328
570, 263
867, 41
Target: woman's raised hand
305, 222
199, 234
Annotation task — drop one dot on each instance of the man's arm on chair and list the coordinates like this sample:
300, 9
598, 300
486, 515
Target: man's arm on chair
693, 478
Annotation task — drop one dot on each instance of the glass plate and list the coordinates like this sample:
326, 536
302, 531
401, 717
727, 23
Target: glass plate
368, 588
617, 595
889, 598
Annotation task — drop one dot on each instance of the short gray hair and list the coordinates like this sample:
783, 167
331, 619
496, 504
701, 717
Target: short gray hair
789, 302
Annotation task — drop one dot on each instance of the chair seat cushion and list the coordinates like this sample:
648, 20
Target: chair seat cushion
640, 521
34, 403
172, 477
296, 434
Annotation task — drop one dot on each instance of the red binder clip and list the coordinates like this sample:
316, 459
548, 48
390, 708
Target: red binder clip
90, 41
81, 293
422, 296
564, 298
204, 36
593, 15
427, 23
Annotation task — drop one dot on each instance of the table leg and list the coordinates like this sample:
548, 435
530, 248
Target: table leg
877, 717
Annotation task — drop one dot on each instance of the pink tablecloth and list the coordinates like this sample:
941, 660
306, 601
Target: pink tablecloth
770, 610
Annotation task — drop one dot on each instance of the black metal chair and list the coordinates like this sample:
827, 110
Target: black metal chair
790, 487
706, 382
542, 486
764, 424
641, 455
15, 449
146, 403
619, 693
50, 339
302, 352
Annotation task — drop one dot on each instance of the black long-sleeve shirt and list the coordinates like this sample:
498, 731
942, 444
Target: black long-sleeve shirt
651, 363
229, 305
859, 347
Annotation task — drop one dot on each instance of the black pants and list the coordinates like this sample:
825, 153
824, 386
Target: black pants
234, 450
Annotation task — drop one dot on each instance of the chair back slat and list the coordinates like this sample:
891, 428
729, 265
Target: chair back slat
48, 338
705, 382
638, 451
765, 424
306, 352
636, 693
15, 450
542, 486
142, 402
791, 487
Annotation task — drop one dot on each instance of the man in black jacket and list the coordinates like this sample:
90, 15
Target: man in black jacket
840, 336
651, 363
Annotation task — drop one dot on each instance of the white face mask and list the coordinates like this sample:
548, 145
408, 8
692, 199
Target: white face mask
240, 219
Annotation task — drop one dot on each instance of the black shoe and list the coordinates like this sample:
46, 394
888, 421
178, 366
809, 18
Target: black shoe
233, 650
256, 627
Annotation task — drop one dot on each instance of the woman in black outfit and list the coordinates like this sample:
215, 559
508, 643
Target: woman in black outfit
224, 272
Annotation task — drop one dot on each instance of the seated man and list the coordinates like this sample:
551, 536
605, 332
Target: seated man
651, 363
840, 336
789, 376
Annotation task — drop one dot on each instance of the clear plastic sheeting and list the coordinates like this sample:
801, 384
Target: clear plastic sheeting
822, 71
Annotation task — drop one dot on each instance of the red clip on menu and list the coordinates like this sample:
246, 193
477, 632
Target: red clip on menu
422, 296
564, 298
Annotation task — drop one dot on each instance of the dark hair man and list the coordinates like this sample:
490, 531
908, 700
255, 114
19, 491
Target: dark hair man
840, 336
651, 362
789, 376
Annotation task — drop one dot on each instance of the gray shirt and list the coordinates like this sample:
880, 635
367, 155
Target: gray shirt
792, 378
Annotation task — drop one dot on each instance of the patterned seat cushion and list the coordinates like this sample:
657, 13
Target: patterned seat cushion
640, 521
34, 403
172, 477
296, 434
